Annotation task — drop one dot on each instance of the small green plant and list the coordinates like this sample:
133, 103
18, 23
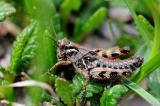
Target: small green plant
34, 52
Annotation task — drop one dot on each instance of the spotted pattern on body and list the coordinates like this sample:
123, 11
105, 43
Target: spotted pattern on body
100, 68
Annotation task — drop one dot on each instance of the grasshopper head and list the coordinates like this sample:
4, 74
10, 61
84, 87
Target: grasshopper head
66, 49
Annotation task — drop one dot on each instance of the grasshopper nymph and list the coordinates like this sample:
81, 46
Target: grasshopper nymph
99, 64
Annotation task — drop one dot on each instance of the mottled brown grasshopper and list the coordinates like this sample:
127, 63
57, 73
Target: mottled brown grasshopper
99, 64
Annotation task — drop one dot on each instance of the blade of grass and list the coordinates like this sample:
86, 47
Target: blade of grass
154, 84
140, 91
153, 6
137, 22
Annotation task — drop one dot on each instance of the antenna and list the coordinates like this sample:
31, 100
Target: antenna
54, 39
55, 34
55, 42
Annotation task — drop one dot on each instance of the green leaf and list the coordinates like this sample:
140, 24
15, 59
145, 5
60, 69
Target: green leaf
91, 88
118, 3
64, 91
28, 53
77, 84
6, 10
111, 96
95, 20
90, 24
145, 25
154, 84
141, 92
69, 5
51, 99
6, 93
91, 7
78, 27
22, 49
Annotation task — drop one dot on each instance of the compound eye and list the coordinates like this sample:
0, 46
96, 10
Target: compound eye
71, 52
71, 47
63, 47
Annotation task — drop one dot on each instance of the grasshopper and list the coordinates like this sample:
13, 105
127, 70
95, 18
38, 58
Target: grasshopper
98, 64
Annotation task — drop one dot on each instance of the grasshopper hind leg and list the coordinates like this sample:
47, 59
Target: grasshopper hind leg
113, 53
